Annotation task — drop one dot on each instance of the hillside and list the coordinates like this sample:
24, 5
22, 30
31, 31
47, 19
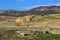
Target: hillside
12, 13
45, 10
42, 10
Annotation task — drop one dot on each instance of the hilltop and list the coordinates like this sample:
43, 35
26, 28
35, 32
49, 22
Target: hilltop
47, 8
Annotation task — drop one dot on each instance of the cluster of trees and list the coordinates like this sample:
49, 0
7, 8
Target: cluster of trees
41, 12
13, 13
23, 13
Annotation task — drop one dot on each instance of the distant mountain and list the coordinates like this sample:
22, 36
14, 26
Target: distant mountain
47, 8
42, 10
13, 13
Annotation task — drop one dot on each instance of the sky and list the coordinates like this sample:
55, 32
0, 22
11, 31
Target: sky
25, 4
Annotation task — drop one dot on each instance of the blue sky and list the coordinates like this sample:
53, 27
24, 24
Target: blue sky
25, 4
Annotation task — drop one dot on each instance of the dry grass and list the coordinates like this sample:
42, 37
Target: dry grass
52, 21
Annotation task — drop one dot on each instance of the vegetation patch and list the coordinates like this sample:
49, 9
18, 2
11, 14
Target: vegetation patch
11, 34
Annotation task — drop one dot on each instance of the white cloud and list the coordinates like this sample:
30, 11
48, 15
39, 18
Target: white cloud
58, 4
30, 7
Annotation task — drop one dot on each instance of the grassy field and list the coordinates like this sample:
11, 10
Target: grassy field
51, 20
12, 35
8, 27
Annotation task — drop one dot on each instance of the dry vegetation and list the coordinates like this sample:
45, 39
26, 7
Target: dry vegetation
51, 20
9, 27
